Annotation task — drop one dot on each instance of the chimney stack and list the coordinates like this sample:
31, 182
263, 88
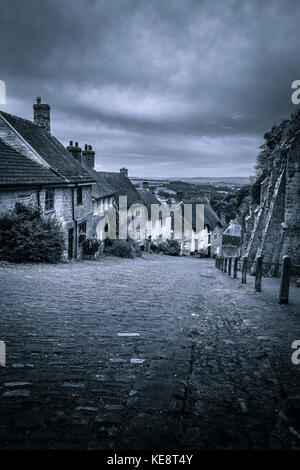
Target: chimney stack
41, 114
145, 184
124, 172
75, 150
88, 155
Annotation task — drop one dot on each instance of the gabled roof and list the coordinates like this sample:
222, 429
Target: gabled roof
210, 217
122, 186
234, 229
17, 169
50, 149
148, 198
102, 188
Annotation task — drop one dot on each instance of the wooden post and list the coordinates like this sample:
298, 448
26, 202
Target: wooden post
229, 265
235, 267
216, 262
222, 263
244, 270
285, 280
225, 265
258, 273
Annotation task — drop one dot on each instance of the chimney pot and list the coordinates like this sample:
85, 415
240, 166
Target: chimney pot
86, 146
38, 100
76, 144
71, 143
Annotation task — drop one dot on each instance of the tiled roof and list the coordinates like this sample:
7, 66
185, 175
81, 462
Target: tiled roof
50, 149
102, 188
122, 186
148, 198
210, 217
17, 169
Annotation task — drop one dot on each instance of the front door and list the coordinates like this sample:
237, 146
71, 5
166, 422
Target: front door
70, 242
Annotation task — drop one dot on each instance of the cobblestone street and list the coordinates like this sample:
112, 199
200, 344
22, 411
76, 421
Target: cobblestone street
153, 353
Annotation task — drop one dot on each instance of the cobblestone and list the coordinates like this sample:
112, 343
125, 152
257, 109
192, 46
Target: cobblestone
157, 352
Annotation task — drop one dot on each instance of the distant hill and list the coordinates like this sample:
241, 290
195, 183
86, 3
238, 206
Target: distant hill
240, 180
236, 180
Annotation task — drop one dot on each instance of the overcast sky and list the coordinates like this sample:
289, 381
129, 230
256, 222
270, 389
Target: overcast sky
163, 87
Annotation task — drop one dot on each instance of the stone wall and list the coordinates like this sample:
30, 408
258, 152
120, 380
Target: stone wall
272, 228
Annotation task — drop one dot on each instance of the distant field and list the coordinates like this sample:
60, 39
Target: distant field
236, 180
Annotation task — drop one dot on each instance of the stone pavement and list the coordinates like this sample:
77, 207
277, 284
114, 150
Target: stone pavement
152, 353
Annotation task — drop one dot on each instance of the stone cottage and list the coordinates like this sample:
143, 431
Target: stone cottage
208, 240
232, 240
36, 168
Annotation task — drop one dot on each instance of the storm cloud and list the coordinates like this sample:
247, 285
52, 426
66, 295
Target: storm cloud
165, 87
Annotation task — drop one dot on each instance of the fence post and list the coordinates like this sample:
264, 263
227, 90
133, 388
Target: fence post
225, 265
244, 270
235, 267
258, 273
216, 262
222, 263
229, 265
285, 280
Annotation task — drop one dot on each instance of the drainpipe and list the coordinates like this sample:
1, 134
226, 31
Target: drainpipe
38, 197
75, 223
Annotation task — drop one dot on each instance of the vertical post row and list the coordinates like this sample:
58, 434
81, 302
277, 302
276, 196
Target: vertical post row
229, 265
258, 273
225, 265
235, 267
285, 280
244, 270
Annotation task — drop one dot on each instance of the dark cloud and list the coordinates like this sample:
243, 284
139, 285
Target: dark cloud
163, 87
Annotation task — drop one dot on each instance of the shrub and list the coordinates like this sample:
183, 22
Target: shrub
27, 235
168, 247
122, 248
91, 246
81, 238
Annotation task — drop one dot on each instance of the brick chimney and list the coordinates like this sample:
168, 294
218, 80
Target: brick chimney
145, 184
75, 151
88, 155
41, 115
124, 172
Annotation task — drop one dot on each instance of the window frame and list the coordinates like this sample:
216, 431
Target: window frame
49, 201
83, 223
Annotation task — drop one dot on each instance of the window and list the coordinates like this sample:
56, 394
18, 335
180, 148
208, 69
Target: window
138, 213
49, 200
82, 227
160, 219
79, 195
215, 237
